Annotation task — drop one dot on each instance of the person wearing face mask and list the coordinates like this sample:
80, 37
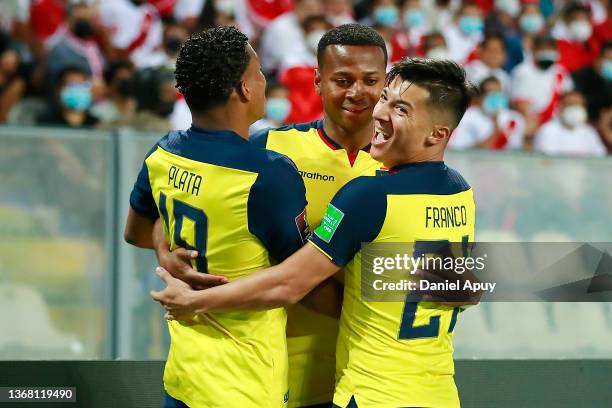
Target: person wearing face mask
156, 97
489, 123
72, 102
578, 47
415, 22
74, 44
464, 35
502, 20
278, 107
386, 19
536, 86
175, 34
595, 83
531, 23
120, 106
569, 133
434, 46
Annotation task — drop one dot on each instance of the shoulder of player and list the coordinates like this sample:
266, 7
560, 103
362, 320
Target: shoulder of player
363, 191
427, 178
261, 137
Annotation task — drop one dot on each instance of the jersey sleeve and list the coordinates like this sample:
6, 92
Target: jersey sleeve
277, 208
141, 198
355, 215
259, 138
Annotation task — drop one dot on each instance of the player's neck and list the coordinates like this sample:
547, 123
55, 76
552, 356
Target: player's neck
221, 119
351, 141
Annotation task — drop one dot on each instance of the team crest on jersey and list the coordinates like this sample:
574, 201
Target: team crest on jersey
302, 225
329, 223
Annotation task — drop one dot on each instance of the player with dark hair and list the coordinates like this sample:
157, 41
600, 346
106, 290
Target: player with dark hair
328, 153
389, 354
215, 193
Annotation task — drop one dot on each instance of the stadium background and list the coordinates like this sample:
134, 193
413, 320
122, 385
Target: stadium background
70, 289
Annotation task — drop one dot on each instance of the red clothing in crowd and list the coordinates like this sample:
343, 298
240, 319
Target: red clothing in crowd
575, 55
45, 17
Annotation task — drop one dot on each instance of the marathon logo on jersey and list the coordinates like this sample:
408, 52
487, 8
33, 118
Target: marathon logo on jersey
184, 180
329, 223
302, 225
316, 176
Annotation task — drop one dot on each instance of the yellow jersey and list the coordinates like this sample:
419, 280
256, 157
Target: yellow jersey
395, 353
325, 167
239, 206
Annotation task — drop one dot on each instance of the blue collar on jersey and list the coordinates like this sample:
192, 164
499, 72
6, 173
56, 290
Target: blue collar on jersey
215, 135
427, 164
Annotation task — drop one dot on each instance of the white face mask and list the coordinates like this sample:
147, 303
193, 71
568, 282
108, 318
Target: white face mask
581, 30
313, 38
438, 53
510, 7
574, 115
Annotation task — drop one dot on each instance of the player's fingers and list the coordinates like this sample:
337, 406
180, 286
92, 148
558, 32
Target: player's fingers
205, 280
185, 254
163, 274
158, 297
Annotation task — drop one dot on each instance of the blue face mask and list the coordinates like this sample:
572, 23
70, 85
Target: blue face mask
495, 102
77, 96
471, 25
531, 23
278, 109
414, 18
606, 69
386, 15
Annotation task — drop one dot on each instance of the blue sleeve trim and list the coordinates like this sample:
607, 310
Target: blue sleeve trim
141, 198
364, 207
276, 208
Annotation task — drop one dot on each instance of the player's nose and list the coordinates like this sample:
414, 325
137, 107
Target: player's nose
380, 113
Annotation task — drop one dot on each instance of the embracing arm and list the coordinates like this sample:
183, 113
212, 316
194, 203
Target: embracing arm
280, 285
138, 229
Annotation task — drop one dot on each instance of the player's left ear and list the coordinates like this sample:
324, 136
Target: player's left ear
243, 91
438, 134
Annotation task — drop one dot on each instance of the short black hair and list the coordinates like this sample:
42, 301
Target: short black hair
492, 37
543, 40
111, 70
209, 66
71, 69
443, 79
350, 34
483, 84
575, 7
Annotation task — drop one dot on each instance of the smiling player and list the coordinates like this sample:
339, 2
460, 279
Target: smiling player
389, 354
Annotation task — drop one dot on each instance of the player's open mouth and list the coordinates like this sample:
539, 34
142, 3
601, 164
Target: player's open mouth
356, 109
380, 137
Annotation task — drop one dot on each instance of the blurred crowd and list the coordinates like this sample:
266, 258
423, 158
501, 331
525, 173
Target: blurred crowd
543, 67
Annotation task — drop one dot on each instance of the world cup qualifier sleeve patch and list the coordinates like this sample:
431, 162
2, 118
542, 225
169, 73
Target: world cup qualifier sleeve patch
329, 224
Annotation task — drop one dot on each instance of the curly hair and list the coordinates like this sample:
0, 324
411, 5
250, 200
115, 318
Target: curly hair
350, 34
444, 79
209, 65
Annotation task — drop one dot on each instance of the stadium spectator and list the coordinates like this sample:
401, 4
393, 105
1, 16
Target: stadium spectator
12, 82
440, 13
75, 44
385, 19
120, 107
569, 133
465, 32
537, 85
502, 20
278, 107
434, 46
492, 56
489, 123
415, 23
595, 83
71, 101
339, 12
175, 35
285, 35
531, 23
156, 97
577, 45
135, 27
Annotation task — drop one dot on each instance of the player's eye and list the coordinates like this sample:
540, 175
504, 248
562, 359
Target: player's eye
342, 82
401, 110
371, 82
383, 97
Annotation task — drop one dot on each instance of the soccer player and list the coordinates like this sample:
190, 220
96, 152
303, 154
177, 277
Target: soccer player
389, 354
215, 193
328, 153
